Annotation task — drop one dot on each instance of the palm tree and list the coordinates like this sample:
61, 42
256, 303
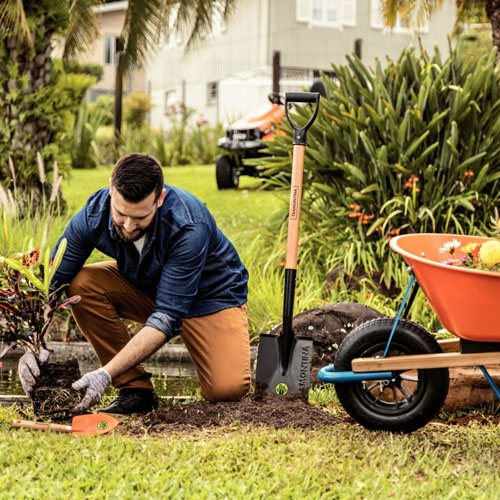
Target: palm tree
28, 31
417, 12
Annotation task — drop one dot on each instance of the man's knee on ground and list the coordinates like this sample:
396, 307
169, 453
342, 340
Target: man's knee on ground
226, 391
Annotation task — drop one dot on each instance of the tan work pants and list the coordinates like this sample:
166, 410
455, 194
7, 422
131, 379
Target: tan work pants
218, 343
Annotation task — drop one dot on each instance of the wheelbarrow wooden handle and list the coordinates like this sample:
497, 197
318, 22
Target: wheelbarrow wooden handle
41, 426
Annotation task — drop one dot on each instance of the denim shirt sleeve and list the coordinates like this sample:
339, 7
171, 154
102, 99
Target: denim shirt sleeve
78, 249
180, 277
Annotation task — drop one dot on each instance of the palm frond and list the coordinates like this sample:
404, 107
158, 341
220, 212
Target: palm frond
415, 13
83, 28
14, 22
199, 16
143, 25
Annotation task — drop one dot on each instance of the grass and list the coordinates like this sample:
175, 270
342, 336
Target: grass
339, 462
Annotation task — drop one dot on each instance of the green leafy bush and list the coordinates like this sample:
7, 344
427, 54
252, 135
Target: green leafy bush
410, 147
83, 148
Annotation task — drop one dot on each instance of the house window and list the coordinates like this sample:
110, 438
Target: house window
212, 93
328, 13
401, 27
109, 49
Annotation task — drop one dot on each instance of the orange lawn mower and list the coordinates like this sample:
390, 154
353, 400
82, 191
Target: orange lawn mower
390, 373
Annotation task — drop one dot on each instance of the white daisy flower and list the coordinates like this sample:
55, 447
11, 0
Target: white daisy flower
450, 246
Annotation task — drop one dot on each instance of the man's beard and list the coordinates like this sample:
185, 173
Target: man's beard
136, 235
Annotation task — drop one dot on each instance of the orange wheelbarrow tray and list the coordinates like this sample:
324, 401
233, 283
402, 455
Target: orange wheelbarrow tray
466, 301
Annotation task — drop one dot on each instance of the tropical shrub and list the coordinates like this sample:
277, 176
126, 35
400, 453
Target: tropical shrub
201, 145
27, 304
412, 146
137, 107
83, 148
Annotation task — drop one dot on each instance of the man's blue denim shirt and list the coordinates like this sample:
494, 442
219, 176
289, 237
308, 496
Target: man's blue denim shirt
187, 265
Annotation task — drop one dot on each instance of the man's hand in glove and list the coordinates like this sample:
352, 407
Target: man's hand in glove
95, 383
29, 369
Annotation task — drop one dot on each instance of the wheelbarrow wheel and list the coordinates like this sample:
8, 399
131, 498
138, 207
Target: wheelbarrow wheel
404, 403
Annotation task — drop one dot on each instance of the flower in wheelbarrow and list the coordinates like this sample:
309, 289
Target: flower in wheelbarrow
471, 248
450, 246
490, 253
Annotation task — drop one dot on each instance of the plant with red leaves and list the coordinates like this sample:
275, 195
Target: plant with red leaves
27, 304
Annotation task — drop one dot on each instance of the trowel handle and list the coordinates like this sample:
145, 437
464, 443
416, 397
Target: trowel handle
41, 426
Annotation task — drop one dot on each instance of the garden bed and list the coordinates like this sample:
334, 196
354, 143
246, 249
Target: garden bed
271, 411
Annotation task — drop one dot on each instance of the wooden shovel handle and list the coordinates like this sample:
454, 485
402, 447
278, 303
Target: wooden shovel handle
295, 202
41, 426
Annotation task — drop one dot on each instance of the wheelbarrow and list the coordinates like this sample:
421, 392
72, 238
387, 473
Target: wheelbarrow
390, 373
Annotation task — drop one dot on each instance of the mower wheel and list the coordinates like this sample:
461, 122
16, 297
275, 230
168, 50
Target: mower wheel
226, 172
411, 398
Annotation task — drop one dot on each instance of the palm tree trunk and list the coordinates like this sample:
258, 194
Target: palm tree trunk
118, 96
493, 12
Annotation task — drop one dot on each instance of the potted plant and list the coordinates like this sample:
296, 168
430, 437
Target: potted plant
27, 307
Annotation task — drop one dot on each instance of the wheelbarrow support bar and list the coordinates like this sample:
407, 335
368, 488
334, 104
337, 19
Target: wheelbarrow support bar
327, 374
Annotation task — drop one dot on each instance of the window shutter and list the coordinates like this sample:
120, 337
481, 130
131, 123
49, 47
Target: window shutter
377, 19
303, 11
348, 12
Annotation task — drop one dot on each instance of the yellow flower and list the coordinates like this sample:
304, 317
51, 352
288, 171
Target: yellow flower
490, 253
470, 248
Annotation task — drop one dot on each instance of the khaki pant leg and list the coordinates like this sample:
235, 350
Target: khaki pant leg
219, 346
106, 297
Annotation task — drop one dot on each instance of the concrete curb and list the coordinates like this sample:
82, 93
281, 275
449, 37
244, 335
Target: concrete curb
170, 353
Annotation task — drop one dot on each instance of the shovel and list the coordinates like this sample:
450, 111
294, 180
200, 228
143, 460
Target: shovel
284, 361
81, 425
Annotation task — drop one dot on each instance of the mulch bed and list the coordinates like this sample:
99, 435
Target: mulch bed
271, 411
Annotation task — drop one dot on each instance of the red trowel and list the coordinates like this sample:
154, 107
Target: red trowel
81, 425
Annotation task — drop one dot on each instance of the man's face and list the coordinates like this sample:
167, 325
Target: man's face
133, 220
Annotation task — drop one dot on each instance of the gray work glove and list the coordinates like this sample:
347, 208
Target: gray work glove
29, 370
95, 383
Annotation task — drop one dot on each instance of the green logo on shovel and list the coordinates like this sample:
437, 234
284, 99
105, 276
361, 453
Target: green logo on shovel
281, 389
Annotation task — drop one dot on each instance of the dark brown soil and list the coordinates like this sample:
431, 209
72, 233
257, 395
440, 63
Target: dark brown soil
53, 395
267, 411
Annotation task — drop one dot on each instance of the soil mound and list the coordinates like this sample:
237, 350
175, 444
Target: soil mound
270, 411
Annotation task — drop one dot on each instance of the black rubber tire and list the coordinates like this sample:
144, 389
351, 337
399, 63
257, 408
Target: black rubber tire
375, 404
226, 172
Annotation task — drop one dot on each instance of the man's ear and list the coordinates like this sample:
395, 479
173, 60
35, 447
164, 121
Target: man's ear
161, 198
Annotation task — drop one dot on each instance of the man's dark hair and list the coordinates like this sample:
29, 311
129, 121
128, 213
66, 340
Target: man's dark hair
136, 175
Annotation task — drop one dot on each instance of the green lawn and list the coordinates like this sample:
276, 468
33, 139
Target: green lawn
340, 462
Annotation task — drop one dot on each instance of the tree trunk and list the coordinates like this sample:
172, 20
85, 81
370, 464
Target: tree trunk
493, 12
118, 96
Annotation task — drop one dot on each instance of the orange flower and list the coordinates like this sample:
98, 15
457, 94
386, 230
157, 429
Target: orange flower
365, 219
352, 215
411, 183
469, 173
282, 263
395, 232
354, 206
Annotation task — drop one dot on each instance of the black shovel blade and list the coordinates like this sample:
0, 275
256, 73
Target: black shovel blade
273, 378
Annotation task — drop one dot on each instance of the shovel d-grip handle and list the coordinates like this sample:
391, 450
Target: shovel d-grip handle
41, 426
299, 134
299, 143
